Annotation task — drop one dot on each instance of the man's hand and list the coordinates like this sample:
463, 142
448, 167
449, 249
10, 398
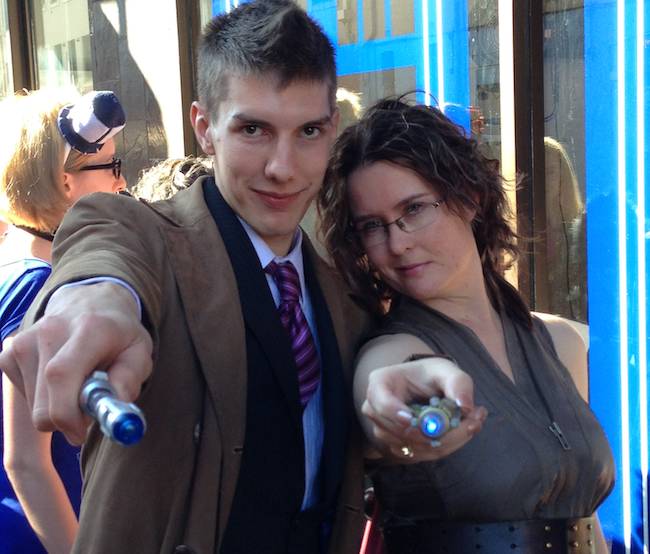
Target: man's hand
84, 328
391, 388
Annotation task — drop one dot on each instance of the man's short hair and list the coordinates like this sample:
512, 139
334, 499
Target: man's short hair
263, 37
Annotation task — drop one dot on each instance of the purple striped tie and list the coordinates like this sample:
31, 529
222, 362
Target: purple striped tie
294, 322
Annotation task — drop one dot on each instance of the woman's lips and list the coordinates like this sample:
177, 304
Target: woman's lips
411, 270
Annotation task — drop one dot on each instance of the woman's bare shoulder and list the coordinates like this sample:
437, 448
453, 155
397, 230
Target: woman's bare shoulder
571, 341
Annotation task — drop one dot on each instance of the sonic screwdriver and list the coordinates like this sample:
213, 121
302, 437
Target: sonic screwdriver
436, 418
122, 422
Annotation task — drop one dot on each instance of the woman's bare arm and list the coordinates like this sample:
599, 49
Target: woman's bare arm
28, 463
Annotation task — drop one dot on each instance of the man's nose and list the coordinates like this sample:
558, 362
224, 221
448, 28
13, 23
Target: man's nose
281, 163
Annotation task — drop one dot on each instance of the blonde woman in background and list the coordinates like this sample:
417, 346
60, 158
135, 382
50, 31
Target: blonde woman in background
55, 147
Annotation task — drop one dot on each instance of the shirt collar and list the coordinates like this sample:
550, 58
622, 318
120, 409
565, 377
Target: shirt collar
266, 255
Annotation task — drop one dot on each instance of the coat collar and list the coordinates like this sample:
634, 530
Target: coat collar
199, 257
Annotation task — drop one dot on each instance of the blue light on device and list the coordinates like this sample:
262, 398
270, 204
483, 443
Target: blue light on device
435, 419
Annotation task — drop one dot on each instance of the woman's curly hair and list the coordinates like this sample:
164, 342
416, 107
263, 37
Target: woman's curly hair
423, 139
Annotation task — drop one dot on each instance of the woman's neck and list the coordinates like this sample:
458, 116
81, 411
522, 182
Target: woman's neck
473, 309
17, 244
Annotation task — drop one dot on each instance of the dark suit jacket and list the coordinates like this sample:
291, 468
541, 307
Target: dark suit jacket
177, 485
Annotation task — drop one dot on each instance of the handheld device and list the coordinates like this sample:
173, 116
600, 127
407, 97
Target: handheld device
436, 418
122, 422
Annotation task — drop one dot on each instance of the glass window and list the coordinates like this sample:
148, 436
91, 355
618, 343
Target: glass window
6, 69
564, 155
62, 42
484, 77
448, 51
206, 11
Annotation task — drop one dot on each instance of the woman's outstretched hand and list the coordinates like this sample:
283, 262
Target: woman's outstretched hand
390, 390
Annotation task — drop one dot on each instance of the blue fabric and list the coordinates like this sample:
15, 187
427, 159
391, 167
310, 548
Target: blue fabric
19, 284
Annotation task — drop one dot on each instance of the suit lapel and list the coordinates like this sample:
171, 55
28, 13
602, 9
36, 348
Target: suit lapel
260, 313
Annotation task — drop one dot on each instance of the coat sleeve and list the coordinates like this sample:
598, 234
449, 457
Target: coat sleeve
107, 235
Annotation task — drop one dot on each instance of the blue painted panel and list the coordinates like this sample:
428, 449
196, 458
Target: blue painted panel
324, 11
602, 245
605, 259
378, 55
456, 61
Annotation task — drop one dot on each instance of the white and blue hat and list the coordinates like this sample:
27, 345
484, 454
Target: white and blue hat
90, 122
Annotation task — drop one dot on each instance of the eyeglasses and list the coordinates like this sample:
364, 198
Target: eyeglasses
115, 165
417, 215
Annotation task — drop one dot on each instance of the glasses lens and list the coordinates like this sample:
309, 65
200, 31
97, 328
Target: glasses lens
373, 237
117, 167
418, 218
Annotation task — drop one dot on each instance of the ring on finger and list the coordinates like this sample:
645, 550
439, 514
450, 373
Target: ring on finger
407, 451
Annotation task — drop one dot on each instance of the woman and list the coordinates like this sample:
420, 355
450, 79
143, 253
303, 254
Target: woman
416, 219
166, 178
54, 148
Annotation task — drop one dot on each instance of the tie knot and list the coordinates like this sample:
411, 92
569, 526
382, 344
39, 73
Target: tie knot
286, 278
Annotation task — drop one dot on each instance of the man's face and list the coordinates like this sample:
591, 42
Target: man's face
270, 148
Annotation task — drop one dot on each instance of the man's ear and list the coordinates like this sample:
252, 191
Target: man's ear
201, 125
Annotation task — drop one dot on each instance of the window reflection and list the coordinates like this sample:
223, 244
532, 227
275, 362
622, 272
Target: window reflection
205, 11
564, 150
346, 19
62, 41
485, 89
6, 70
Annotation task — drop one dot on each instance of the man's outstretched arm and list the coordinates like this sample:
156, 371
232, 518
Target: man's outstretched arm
82, 329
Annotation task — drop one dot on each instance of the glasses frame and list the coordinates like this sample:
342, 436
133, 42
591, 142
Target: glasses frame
115, 165
399, 223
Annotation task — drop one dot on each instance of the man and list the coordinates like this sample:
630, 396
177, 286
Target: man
233, 459
251, 446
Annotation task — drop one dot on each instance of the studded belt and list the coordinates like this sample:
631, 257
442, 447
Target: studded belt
537, 536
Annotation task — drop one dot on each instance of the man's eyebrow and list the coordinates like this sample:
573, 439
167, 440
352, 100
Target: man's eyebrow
243, 117
316, 122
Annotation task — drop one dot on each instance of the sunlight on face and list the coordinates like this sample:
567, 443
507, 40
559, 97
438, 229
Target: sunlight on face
271, 147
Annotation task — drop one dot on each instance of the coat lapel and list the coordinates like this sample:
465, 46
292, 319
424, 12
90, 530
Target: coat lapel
260, 313
199, 260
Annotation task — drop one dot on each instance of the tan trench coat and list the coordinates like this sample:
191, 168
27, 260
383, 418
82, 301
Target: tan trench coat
176, 486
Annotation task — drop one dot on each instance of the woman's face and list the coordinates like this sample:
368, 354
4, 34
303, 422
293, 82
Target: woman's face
81, 182
435, 261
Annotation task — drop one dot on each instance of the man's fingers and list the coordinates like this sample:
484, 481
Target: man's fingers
133, 367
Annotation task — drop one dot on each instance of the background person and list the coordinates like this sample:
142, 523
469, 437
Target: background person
415, 219
166, 178
42, 173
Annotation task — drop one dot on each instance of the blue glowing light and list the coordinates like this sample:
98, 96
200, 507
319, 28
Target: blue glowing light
434, 424
432, 427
